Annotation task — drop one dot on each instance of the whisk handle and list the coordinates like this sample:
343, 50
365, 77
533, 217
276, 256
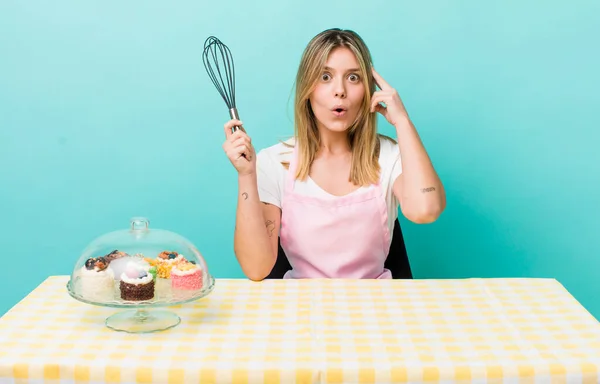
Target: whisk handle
234, 115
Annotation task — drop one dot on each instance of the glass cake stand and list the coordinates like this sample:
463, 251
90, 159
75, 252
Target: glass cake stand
140, 269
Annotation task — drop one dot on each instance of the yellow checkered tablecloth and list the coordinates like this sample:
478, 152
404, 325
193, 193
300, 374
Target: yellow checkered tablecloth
315, 331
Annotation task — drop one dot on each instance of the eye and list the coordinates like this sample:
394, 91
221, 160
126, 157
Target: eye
325, 77
353, 77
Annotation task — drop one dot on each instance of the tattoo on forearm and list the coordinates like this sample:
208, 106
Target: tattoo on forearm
430, 189
270, 227
245, 195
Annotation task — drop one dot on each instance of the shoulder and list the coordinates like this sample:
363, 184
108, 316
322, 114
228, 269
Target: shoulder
271, 169
388, 149
276, 154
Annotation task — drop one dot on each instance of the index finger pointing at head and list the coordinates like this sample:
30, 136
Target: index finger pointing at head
382, 84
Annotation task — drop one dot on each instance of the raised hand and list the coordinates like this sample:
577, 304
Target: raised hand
238, 148
394, 110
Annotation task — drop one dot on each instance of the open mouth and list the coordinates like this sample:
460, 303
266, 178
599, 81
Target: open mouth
339, 111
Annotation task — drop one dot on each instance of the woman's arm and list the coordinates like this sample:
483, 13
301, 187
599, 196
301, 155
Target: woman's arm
256, 224
256, 230
418, 188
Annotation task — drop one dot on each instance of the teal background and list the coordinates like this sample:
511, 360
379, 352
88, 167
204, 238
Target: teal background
106, 112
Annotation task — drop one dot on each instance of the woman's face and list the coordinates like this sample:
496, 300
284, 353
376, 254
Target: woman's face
338, 96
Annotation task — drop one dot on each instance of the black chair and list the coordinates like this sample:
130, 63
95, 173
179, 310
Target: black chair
397, 259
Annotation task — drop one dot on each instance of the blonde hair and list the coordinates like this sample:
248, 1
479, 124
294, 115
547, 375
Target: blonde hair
362, 134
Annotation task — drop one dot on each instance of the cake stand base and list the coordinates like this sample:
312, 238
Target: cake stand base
142, 321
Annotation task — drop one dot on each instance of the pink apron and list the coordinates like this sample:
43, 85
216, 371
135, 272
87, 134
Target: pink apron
340, 237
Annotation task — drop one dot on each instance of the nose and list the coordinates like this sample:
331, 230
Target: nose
340, 90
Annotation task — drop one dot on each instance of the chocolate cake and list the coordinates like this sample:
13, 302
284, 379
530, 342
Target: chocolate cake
137, 283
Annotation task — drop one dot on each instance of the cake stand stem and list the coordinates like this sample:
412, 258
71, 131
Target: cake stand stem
141, 315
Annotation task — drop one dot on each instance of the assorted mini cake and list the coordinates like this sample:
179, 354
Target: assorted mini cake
137, 283
186, 276
96, 280
165, 262
134, 278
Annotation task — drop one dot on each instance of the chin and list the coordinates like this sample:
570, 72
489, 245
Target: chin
337, 127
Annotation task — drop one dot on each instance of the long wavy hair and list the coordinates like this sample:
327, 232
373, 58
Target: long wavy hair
362, 134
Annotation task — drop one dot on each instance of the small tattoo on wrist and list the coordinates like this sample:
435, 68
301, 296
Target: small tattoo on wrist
245, 195
430, 189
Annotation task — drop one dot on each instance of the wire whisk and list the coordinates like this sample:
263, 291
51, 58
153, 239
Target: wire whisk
218, 62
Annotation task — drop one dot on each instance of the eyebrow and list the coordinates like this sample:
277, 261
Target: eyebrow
349, 70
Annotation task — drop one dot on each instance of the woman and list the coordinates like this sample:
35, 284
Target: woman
331, 193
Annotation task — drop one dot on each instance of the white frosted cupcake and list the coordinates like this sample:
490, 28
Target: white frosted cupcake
96, 281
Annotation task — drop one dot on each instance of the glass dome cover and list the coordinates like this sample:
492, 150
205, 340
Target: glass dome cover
140, 267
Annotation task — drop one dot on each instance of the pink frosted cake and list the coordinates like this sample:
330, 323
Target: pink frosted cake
186, 276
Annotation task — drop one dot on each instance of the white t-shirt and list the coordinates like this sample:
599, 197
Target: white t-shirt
271, 176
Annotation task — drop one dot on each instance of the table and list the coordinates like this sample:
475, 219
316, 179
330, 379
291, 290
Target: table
313, 331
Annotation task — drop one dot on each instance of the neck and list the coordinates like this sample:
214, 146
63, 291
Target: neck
333, 143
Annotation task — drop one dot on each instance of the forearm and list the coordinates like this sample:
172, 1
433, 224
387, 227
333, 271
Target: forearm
251, 242
422, 194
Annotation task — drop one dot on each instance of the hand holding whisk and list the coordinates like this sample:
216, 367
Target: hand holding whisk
218, 63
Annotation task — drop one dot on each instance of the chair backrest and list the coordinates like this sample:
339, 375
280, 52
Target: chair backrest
396, 261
